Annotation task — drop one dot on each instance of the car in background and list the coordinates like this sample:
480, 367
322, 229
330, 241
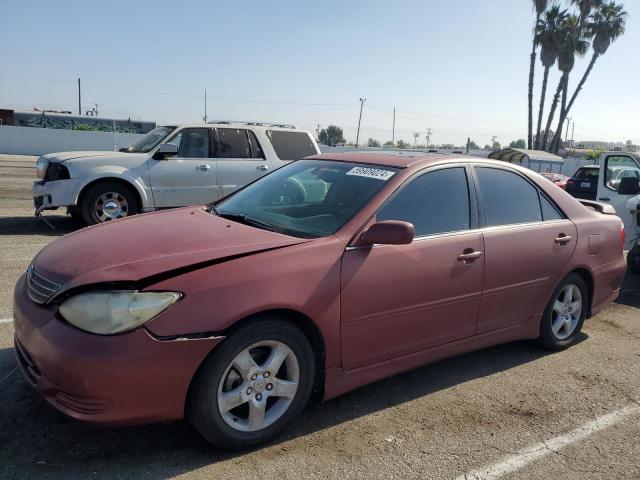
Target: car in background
557, 178
584, 183
234, 314
171, 166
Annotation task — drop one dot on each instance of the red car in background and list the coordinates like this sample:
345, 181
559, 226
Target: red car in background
329, 273
557, 178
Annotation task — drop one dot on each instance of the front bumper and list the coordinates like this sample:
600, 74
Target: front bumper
121, 379
59, 193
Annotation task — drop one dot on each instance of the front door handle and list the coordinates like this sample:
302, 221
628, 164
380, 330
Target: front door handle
562, 239
605, 199
262, 168
203, 168
469, 255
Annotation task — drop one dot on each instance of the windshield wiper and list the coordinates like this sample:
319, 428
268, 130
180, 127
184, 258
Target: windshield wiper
241, 218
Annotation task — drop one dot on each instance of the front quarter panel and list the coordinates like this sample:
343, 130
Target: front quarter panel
304, 278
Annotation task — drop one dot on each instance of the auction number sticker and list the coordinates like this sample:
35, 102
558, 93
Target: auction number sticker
371, 173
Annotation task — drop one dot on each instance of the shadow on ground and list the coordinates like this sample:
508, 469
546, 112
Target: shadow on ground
36, 440
59, 225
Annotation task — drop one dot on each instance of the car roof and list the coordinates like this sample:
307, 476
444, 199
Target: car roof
230, 124
391, 159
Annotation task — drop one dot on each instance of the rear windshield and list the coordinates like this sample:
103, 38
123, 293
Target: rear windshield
291, 145
586, 173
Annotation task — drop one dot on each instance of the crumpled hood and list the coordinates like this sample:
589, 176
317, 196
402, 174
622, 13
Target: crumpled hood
62, 157
139, 247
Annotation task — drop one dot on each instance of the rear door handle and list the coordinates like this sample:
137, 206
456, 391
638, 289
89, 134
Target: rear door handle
469, 256
203, 168
605, 199
262, 168
562, 239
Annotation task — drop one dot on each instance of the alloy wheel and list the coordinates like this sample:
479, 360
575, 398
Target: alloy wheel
111, 205
567, 310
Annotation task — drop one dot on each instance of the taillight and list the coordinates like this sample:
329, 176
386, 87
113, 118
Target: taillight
622, 235
571, 180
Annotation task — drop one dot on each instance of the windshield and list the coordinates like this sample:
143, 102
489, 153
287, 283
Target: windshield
306, 198
149, 140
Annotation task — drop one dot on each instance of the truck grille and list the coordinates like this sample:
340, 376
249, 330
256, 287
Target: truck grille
39, 289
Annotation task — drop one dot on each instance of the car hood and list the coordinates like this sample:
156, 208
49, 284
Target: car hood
155, 244
62, 157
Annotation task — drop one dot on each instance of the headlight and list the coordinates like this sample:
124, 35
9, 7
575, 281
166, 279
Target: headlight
56, 171
41, 166
106, 313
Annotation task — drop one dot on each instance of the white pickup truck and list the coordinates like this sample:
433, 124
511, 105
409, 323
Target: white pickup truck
618, 184
170, 166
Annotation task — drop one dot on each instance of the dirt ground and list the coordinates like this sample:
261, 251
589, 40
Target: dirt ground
528, 413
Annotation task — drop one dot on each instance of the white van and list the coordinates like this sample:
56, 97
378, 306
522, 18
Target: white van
170, 166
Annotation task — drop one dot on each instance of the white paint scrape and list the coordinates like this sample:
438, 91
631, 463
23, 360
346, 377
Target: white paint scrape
519, 460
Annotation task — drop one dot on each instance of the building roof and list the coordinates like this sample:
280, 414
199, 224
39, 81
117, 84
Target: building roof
512, 155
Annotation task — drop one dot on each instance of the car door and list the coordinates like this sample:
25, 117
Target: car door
527, 242
400, 299
240, 159
189, 177
616, 167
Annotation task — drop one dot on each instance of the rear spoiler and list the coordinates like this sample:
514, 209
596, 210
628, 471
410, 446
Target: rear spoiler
599, 206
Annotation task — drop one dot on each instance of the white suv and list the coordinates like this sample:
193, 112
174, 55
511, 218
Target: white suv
168, 167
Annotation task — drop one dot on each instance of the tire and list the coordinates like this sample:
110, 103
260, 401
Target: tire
116, 195
561, 322
633, 259
226, 374
76, 214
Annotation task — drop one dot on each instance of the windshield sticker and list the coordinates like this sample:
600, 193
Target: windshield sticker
377, 173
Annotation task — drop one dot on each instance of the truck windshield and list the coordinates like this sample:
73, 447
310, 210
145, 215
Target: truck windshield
149, 140
306, 198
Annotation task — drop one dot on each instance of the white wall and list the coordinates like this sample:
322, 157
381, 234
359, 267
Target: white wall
38, 141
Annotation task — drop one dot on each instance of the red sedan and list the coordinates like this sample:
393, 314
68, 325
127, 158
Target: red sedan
329, 273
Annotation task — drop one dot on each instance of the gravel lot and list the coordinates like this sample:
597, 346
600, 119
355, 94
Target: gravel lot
570, 415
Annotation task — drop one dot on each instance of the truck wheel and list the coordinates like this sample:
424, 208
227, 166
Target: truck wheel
108, 201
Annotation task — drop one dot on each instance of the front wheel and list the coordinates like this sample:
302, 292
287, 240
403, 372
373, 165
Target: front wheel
565, 313
107, 201
253, 385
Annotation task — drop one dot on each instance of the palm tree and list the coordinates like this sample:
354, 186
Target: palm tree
585, 7
547, 36
606, 26
571, 42
540, 6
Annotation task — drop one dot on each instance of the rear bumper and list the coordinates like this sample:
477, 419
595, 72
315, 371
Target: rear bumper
607, 280
122, 379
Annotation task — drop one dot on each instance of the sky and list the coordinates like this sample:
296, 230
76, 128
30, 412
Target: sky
458, 67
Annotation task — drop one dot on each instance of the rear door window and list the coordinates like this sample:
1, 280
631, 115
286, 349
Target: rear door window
508, 198
291, 145
234, 143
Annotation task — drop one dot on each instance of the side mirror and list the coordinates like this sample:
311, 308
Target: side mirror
165, 150
388, 232
629, 186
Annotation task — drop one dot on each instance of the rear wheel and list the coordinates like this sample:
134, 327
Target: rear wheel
253, 385
564, 314
108, 201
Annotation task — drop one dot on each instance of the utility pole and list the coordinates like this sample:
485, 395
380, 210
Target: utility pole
566, 135
362, 100
79, 99
493, 141
393, 130
415, 138
429, 131
205, 106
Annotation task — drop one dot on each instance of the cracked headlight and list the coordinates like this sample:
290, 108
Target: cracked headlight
109, 312
41, 167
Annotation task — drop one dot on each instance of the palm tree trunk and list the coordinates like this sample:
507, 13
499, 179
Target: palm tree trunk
582, 82
555, 143
532, 67
552, 113
543, 94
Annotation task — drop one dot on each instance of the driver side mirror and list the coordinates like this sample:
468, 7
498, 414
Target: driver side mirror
388, 232
165, 150
629, 186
